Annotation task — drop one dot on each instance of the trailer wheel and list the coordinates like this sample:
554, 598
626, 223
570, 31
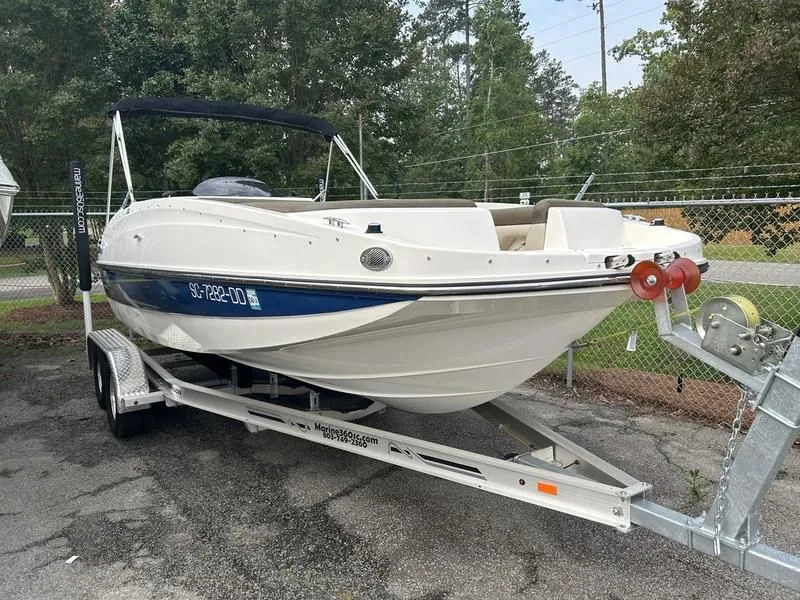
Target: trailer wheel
99, 388
122, 425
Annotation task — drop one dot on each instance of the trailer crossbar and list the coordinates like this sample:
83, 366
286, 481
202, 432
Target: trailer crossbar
607, 502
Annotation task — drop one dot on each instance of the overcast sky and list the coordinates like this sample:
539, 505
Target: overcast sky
570, 31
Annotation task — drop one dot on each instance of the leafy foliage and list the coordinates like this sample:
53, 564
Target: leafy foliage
53, 81
721, 86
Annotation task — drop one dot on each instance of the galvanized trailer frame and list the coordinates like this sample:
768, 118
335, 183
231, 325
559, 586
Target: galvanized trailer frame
555, 473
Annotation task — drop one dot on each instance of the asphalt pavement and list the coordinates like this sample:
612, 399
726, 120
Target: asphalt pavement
24, 286
197, 508
30, 286
754, 272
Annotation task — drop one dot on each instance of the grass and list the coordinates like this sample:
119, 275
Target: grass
607, 342
751, 253
13, 323
19, 263
6, 306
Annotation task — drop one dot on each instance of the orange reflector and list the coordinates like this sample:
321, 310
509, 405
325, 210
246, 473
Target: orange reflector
648, 280
547, 488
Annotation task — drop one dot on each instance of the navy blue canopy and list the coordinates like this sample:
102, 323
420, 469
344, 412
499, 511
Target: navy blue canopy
132, 108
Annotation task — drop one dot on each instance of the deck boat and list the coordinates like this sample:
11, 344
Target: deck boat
8, 189
428, 306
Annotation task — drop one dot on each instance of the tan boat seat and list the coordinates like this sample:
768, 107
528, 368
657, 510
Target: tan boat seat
523, 227
518, 228
512, 237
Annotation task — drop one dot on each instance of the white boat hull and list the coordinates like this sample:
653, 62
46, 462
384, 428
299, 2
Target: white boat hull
432, 355
448, 322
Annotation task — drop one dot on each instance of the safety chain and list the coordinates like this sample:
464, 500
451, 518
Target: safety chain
722, 486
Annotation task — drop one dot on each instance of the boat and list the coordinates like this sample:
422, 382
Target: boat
428, 306
8, 189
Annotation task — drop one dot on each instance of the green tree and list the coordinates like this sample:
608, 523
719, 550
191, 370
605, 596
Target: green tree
723, 88
595, 149
518, 99
504, 89
337, 59
53, 86
448, 24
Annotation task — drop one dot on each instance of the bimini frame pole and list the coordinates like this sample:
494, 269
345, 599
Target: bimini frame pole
585, 187
110, 172
323, 193
354, 163
123, 155
327, 173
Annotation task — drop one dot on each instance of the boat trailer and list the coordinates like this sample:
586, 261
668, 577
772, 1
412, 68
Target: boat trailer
554, 473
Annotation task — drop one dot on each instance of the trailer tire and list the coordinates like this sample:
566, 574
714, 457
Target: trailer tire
98, 378
122, 425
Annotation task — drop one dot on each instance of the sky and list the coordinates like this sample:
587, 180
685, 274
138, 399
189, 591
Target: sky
570, 31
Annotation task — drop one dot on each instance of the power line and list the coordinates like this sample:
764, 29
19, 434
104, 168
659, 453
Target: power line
486, 123
608, 194
664, 180
582, 177
528, 147
630, 191
563, 39
455, 181
583, 16
563, 62
699, 169
67, 195
704, 189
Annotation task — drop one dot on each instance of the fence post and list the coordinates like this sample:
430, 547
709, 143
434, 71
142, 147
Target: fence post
570, 357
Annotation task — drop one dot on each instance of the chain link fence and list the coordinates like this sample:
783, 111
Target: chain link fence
753, 249
39, 278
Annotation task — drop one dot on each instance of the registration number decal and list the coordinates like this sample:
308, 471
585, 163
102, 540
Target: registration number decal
220, 293
252, 299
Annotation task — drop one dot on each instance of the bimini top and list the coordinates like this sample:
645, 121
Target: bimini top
132, 108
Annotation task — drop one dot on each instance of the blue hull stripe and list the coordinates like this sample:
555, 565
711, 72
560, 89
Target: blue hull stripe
210, 298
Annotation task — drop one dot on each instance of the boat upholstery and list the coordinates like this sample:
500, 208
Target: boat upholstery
518, 228
514, 237
523, 227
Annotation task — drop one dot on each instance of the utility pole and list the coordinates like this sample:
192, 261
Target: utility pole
598, 6
486, 150
466, 58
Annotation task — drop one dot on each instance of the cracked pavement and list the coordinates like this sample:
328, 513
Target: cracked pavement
197, 508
